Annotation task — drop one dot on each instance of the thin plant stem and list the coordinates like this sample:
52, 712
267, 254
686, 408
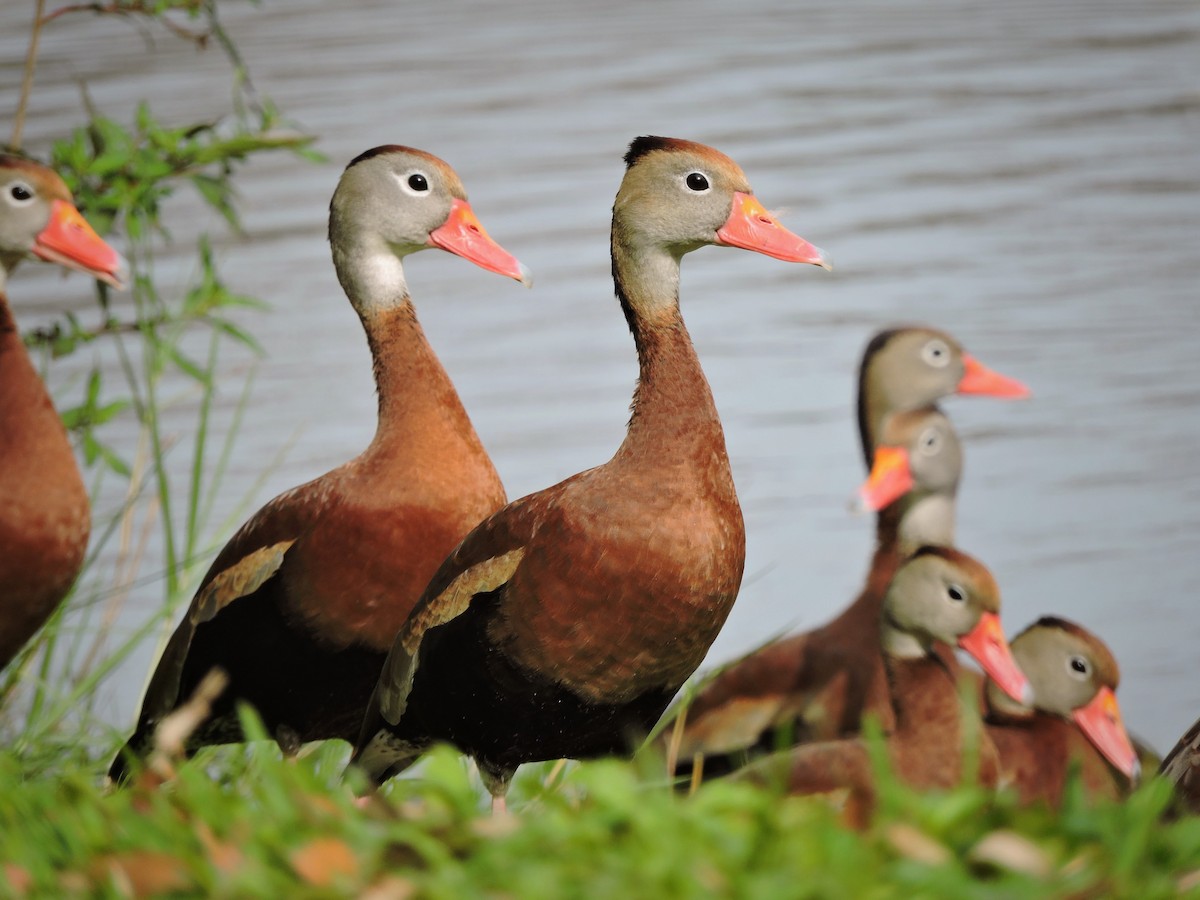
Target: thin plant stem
27, 76
191, 533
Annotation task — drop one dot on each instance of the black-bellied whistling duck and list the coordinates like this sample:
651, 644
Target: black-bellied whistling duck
1073, 718
937, 595
44, 515
817, 684
910, 367
563, 624
300, 607
1182, 768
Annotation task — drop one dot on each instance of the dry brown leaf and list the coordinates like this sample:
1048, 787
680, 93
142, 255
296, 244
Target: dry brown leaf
225, 856
18, 878
322, 860
1188, 882
1009, 850
914, 844
142, 873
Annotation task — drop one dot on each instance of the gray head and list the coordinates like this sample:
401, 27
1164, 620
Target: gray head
678, 196
1074, 676
392, 201
942, 594
38, 219
913, 367
914, 477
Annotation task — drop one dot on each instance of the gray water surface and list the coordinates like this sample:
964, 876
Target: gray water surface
1024, 175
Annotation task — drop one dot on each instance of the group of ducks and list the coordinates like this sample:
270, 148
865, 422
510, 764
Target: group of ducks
399, 600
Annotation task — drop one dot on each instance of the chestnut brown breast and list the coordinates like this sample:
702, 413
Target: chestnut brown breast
44, 512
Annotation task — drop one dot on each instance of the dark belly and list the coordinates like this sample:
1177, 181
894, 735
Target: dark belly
293, 680
467, 692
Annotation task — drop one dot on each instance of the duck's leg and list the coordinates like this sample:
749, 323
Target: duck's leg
497, 780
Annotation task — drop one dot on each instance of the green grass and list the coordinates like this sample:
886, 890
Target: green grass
243, 822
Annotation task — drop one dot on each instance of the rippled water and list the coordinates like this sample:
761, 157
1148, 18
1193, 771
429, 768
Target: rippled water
1024, 175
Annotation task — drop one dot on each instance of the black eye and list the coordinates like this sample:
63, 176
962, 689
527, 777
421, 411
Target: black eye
936, 353
1079, 665
955, 593
418, 183
20, 192
697, 182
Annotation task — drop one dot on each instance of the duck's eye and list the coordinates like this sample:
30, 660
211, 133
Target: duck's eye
936, 354
930, 442
696, 181
20, 193
1079, 666
955, 593
415, 184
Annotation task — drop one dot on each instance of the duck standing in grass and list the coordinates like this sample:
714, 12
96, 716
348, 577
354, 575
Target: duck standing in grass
563, 624
300, 607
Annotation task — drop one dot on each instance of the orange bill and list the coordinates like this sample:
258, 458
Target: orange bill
751, 227
979, 379
462, 235
1101, 722
70, 241
987, 645
890, 479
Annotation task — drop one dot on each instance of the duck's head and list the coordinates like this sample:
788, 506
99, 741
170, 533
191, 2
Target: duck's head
942, 594
1075, 676
392, 201
38, 219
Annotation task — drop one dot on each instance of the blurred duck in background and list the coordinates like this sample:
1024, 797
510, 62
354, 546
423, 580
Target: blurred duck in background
45, 518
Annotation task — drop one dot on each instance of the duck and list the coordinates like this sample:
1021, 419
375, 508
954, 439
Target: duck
300, 606
939, 595
1181, 767
817, 684
45, 516
1073, 718
563, 624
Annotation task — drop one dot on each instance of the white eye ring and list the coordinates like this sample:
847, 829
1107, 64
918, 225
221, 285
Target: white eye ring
1079, 668
415, 183
11, 190
936, 354
955, 593
697, 182
930, 442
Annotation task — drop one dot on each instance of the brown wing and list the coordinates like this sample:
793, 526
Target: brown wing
484, 561
1182, 768
251, 558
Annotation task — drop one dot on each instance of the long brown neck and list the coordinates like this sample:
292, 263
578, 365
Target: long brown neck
674, 418
418, 405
